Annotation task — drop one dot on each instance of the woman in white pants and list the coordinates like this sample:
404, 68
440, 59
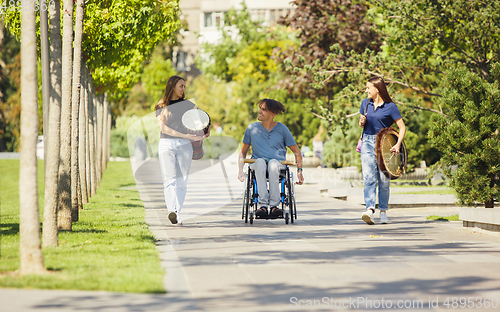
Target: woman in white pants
175, 150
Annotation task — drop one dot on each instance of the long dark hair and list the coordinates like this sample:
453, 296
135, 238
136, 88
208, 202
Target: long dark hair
169, 89
379, 83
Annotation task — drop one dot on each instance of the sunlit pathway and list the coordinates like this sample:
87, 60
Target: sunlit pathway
328, 257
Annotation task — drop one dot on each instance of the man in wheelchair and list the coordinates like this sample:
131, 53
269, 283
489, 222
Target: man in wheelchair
269, 140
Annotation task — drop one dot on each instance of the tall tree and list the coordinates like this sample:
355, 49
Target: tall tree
323, 26
64, 208
92, 143
422, 41
82, 146
469, 137
119, 35
75, 107
53, 140
30, 248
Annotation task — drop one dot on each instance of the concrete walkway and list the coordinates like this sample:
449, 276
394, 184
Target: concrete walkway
328, 257
329, 260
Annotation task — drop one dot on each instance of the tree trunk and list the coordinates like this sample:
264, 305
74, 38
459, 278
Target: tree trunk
75, 105
104, 159
45, 60
109, 133
82, 137
99, 138
87, 138
92, 136
53, 141
30, 248
64, 209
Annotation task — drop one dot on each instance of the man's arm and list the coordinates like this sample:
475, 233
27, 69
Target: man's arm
243, 155
298, 159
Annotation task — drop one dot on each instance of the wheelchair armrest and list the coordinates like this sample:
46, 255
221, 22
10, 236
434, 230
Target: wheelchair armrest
283, 162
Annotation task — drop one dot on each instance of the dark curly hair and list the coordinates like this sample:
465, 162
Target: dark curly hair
273, 106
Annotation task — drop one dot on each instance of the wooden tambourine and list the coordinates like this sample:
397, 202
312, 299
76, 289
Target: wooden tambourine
196, 122
393, 165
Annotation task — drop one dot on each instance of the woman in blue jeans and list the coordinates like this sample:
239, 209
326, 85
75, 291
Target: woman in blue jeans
174, 150
380, 113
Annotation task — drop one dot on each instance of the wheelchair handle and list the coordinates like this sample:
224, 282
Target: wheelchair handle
283, 162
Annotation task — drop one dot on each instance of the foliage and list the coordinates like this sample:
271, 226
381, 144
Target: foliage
144, 94
453, 33
110, 247
340, 149
239, 32
469, 138
10, 104
421, 40
324, 25
155, 76
119, 35
245, 71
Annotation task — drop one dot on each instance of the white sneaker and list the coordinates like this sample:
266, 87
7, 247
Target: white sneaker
367, 216
383, 217
172, 216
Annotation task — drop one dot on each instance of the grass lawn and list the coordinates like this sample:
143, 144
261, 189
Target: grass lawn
429, 190
110, 248
441, 218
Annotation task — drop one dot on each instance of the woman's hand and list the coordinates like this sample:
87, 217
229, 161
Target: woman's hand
395, 148
194, 137
362, 120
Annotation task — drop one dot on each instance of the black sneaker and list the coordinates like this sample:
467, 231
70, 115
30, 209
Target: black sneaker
261, 213
276, 213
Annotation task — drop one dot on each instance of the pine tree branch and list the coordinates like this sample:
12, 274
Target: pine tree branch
423, 108
387, 80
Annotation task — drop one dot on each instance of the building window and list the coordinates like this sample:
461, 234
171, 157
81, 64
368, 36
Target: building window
258, 15
207, 19
214, 19
276, 14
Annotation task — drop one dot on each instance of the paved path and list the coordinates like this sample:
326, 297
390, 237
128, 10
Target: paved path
328, 258
328, 255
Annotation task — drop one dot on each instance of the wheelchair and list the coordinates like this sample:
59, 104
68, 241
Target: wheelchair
287, 194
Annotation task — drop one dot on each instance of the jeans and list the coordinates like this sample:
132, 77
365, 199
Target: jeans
273, 167
175, 160
373, 175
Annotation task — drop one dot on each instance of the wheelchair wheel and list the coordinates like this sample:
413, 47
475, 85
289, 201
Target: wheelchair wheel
251, 217
290, 199
286, 218
244, 204
246, 201
244, 211
294, 209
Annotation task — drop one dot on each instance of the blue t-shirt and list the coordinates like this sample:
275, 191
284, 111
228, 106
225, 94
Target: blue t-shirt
383, 117
268, 144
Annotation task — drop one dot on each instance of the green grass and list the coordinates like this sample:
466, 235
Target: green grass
441, 218
431, 191
110, 248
